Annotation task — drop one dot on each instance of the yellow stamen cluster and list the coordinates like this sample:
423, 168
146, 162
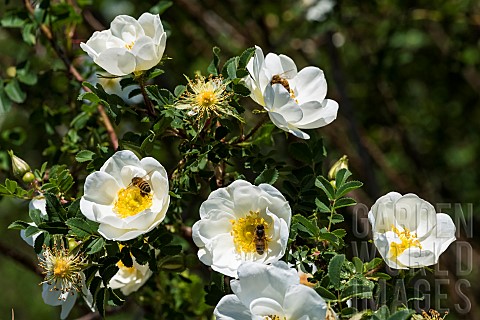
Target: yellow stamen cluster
243, 231
433, 315
130, 45
131, 201
205, 96
274, 317
408, 239
62, 269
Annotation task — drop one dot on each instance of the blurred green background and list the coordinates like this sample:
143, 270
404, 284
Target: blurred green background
405, 73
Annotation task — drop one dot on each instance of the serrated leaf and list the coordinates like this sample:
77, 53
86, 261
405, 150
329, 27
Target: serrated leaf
95, 246
334, 269
360, 291
347, 187
140, 256
171, 249
31, 230
241, 89
90, 96
321, 206
18, 225
179, 90
309, 225
245, 57
38, 244
373, 264
268, 176
82, 228
325, 185
358, 264
336, 218
100, 301
342, 176
54, 209
114, 298
84, 155
36, 216
301, 152
324, 293
344, 202
339, 232
213, 67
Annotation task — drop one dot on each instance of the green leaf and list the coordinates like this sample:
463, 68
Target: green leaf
310, 226
55, 210
334, 269
301, 152
140, 256
339, 232
241, 89
31, 230
344, 202
213, 67
19, 225
324, 293
90, 96
245, 57
336, 218
321, 206
325, 185
171, 249
229, 70
96, 246
358, 264
347, 187
36, 216
267, 176
14, 92
28, 33
342, 176
357, 290
82, 228
84, 156
101, 301
5, 102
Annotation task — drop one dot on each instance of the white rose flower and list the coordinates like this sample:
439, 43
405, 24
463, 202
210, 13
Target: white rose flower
123, 208
38, 203
270, 292
408, 232
66, 300
294, 100
238, 223
129, 45
129, 280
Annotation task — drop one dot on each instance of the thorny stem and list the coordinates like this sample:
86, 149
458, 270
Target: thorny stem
148, 102
252, 132
74, 72
332, 211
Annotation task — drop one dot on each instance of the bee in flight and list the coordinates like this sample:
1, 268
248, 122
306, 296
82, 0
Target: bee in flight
142, 184
260, 239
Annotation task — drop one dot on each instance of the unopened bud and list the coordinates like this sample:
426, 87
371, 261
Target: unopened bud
19, 166
28, 177
11, 71
174, 263
341, 163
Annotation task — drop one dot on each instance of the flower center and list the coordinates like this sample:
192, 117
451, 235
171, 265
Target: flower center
131, 201
206, 99
128, 270
408, 239
129, 46
245, 233
62, 269
274, 317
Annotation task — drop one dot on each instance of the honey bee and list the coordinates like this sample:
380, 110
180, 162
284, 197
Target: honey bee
278, 79
260, 239
141, 184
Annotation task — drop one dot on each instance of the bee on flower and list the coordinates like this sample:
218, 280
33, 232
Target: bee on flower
206, 97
